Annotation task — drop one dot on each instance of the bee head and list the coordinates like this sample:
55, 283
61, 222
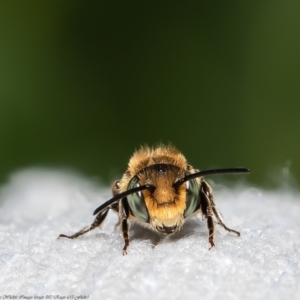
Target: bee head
166, 204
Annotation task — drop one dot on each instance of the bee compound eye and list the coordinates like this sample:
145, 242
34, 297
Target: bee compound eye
192, 197
136, 202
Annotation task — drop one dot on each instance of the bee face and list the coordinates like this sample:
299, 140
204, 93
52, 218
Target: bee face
160, 190
164, 207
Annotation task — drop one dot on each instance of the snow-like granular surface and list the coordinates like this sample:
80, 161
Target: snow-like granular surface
36, 206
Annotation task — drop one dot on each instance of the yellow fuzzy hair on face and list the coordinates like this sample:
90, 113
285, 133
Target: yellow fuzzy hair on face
145, 157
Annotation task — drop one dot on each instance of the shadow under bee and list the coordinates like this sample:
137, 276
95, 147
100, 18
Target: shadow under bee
190, 227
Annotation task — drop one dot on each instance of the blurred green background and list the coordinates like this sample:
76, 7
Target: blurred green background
84, 83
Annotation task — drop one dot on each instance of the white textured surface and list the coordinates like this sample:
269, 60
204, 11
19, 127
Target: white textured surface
36, 206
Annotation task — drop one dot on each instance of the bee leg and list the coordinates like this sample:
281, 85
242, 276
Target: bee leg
211, 228
217, 214
124, 213
97, 222
124, 225
99, 218
207, 211
221, 222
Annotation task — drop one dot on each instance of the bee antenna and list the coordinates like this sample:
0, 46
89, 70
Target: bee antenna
210, 172
117, 197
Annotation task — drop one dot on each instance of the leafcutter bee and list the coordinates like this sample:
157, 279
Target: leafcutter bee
161, 190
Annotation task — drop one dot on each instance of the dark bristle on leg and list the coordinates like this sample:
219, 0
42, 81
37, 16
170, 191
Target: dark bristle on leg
210, 225
125, 235
97, 222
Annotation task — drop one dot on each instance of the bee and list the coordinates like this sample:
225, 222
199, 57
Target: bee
160, 190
